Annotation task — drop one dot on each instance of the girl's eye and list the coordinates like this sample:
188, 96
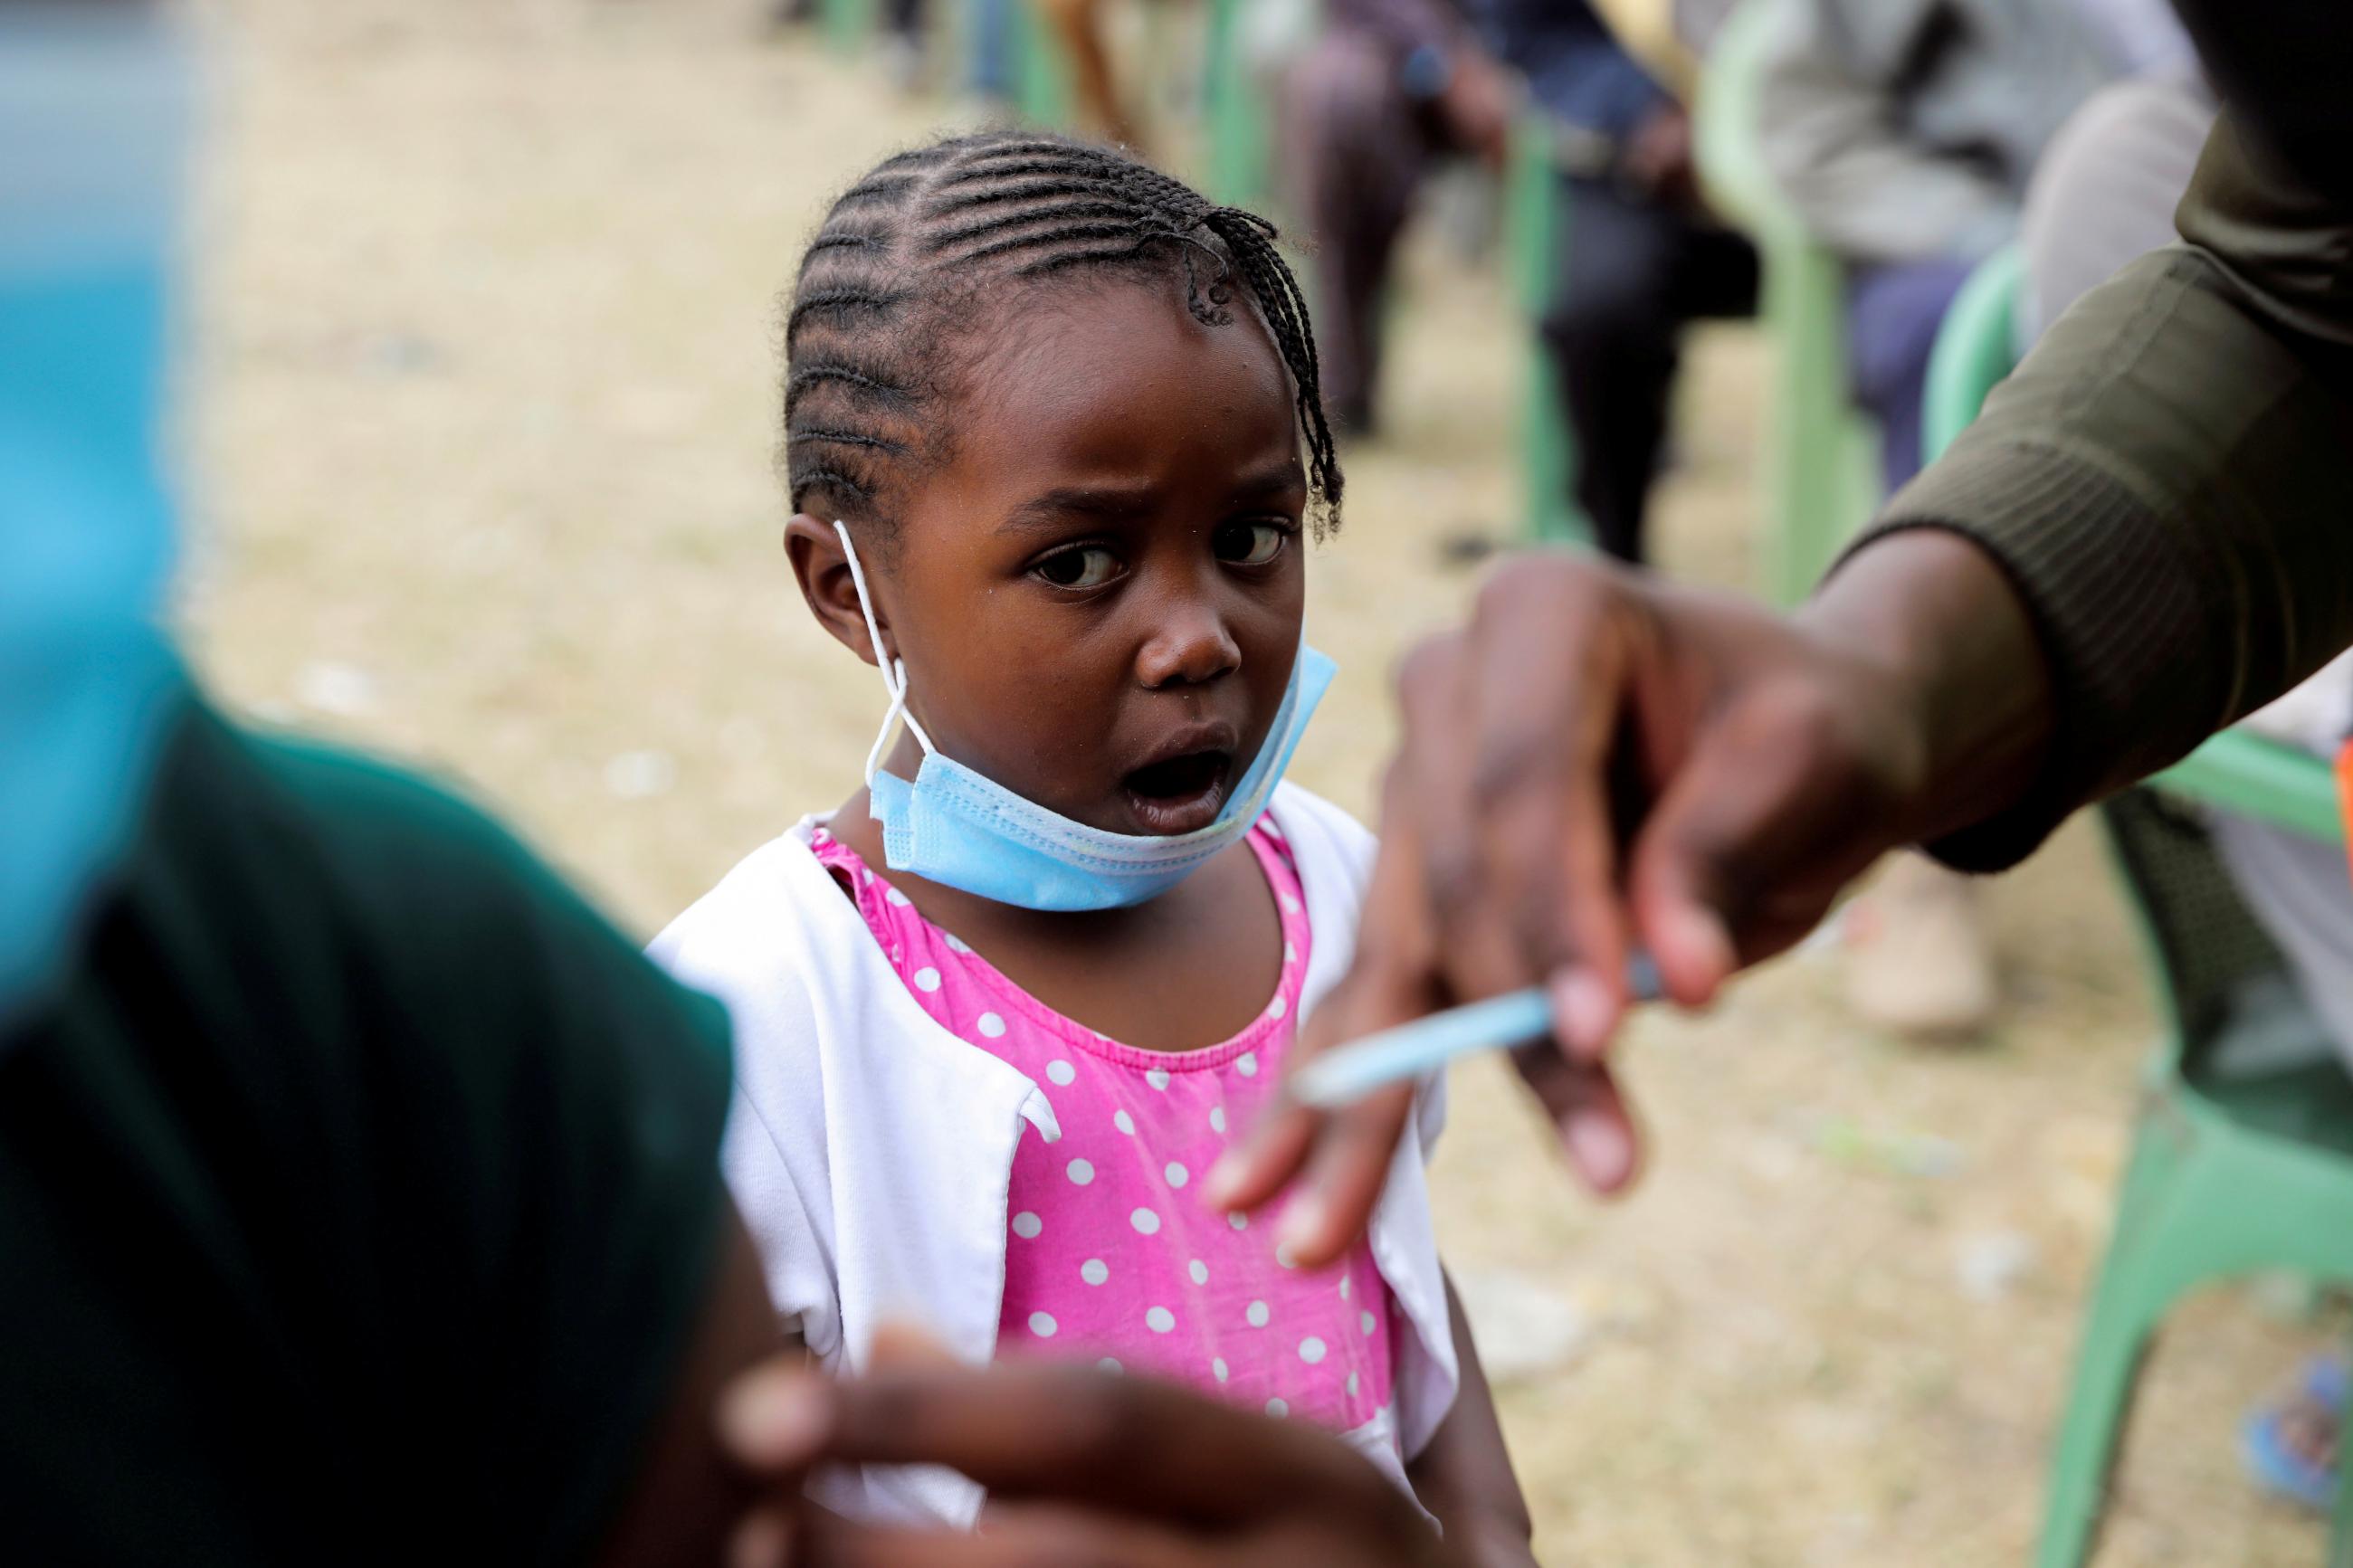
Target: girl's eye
1249, 543
1088, 566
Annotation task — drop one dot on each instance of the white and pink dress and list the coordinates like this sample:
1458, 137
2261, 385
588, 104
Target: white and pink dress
916, 1138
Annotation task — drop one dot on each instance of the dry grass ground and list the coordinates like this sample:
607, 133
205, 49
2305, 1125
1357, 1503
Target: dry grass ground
482, 380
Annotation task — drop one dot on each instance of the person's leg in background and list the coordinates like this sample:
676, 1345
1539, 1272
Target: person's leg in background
1079, 26
1894, 311
1630, 273
903, 20
1351, 148
990, 49
1918, 962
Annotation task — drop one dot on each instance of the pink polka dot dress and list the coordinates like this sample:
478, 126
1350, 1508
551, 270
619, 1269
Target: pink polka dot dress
1110, 1256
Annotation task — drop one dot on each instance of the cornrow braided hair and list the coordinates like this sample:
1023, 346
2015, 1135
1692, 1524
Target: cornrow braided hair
872, 312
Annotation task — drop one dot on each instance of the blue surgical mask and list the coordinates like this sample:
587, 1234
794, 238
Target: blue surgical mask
93, 117
955, 828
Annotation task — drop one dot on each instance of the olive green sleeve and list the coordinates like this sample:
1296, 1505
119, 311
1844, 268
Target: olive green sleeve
2168, 481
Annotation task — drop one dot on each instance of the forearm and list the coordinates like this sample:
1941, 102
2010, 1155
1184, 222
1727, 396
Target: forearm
2164, 485
1937, 615
1465, 1475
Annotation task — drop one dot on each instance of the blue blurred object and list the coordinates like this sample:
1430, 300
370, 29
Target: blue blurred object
94, 122
992, 65
1412, 1050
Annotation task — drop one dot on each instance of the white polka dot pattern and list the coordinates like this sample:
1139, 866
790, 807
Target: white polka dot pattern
1111, 1260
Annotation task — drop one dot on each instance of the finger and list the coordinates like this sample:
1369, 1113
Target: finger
1346, 1173
1270, 1150
1429, 799
772, 1418
1010, 1536
1749, 843
1346, 1153
764, 1539
1073, 1434
1551, 651
905, 1347
1596, 1132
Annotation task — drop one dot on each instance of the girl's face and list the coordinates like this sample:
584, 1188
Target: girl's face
1098, 592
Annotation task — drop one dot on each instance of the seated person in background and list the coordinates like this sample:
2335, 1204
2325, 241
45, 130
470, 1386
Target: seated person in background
1903, 133
1079, 23
1391, 85
2104, 195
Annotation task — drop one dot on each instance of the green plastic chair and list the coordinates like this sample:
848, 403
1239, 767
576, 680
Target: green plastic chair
1820, 477
2242, 1150
849, 24
1240, 138
1041, 72
1535, 219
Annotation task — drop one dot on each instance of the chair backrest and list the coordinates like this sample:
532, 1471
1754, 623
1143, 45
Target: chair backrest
1977, 346
2216, 969
1820, 480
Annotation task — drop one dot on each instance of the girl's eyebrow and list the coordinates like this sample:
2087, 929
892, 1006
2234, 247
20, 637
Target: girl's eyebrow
1053, 509
1284, 475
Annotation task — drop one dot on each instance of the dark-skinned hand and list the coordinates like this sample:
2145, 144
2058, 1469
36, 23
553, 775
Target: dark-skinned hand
1082, 1468
1601, 762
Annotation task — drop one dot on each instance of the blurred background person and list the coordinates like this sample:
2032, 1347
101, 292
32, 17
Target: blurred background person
1902, 134
1390, 87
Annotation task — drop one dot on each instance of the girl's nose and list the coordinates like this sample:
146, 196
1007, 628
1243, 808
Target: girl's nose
1191, 645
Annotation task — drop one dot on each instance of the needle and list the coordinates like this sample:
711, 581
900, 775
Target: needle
1350, 1072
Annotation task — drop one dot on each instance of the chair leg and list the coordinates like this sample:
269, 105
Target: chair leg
2099, 1407
2340, 1530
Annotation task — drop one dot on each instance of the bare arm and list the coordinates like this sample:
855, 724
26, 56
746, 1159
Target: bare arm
688, 1497
1464, 1475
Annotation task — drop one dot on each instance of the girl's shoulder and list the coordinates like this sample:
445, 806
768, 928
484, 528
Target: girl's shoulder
1328, 844
758, 938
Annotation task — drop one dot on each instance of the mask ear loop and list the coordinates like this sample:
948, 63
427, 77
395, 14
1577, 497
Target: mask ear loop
894, 670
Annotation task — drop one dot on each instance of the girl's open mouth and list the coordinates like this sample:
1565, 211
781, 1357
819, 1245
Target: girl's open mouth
1181, 794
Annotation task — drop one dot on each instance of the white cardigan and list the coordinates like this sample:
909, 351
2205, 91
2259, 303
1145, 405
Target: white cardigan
870, 1151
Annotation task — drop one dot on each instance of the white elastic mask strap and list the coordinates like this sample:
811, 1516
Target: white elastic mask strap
894, 670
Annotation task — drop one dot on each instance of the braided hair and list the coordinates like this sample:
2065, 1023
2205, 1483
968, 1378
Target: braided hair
894, 277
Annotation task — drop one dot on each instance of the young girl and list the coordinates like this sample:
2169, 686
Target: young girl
999, 1012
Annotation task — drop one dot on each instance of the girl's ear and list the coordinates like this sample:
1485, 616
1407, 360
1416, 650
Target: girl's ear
823, 569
